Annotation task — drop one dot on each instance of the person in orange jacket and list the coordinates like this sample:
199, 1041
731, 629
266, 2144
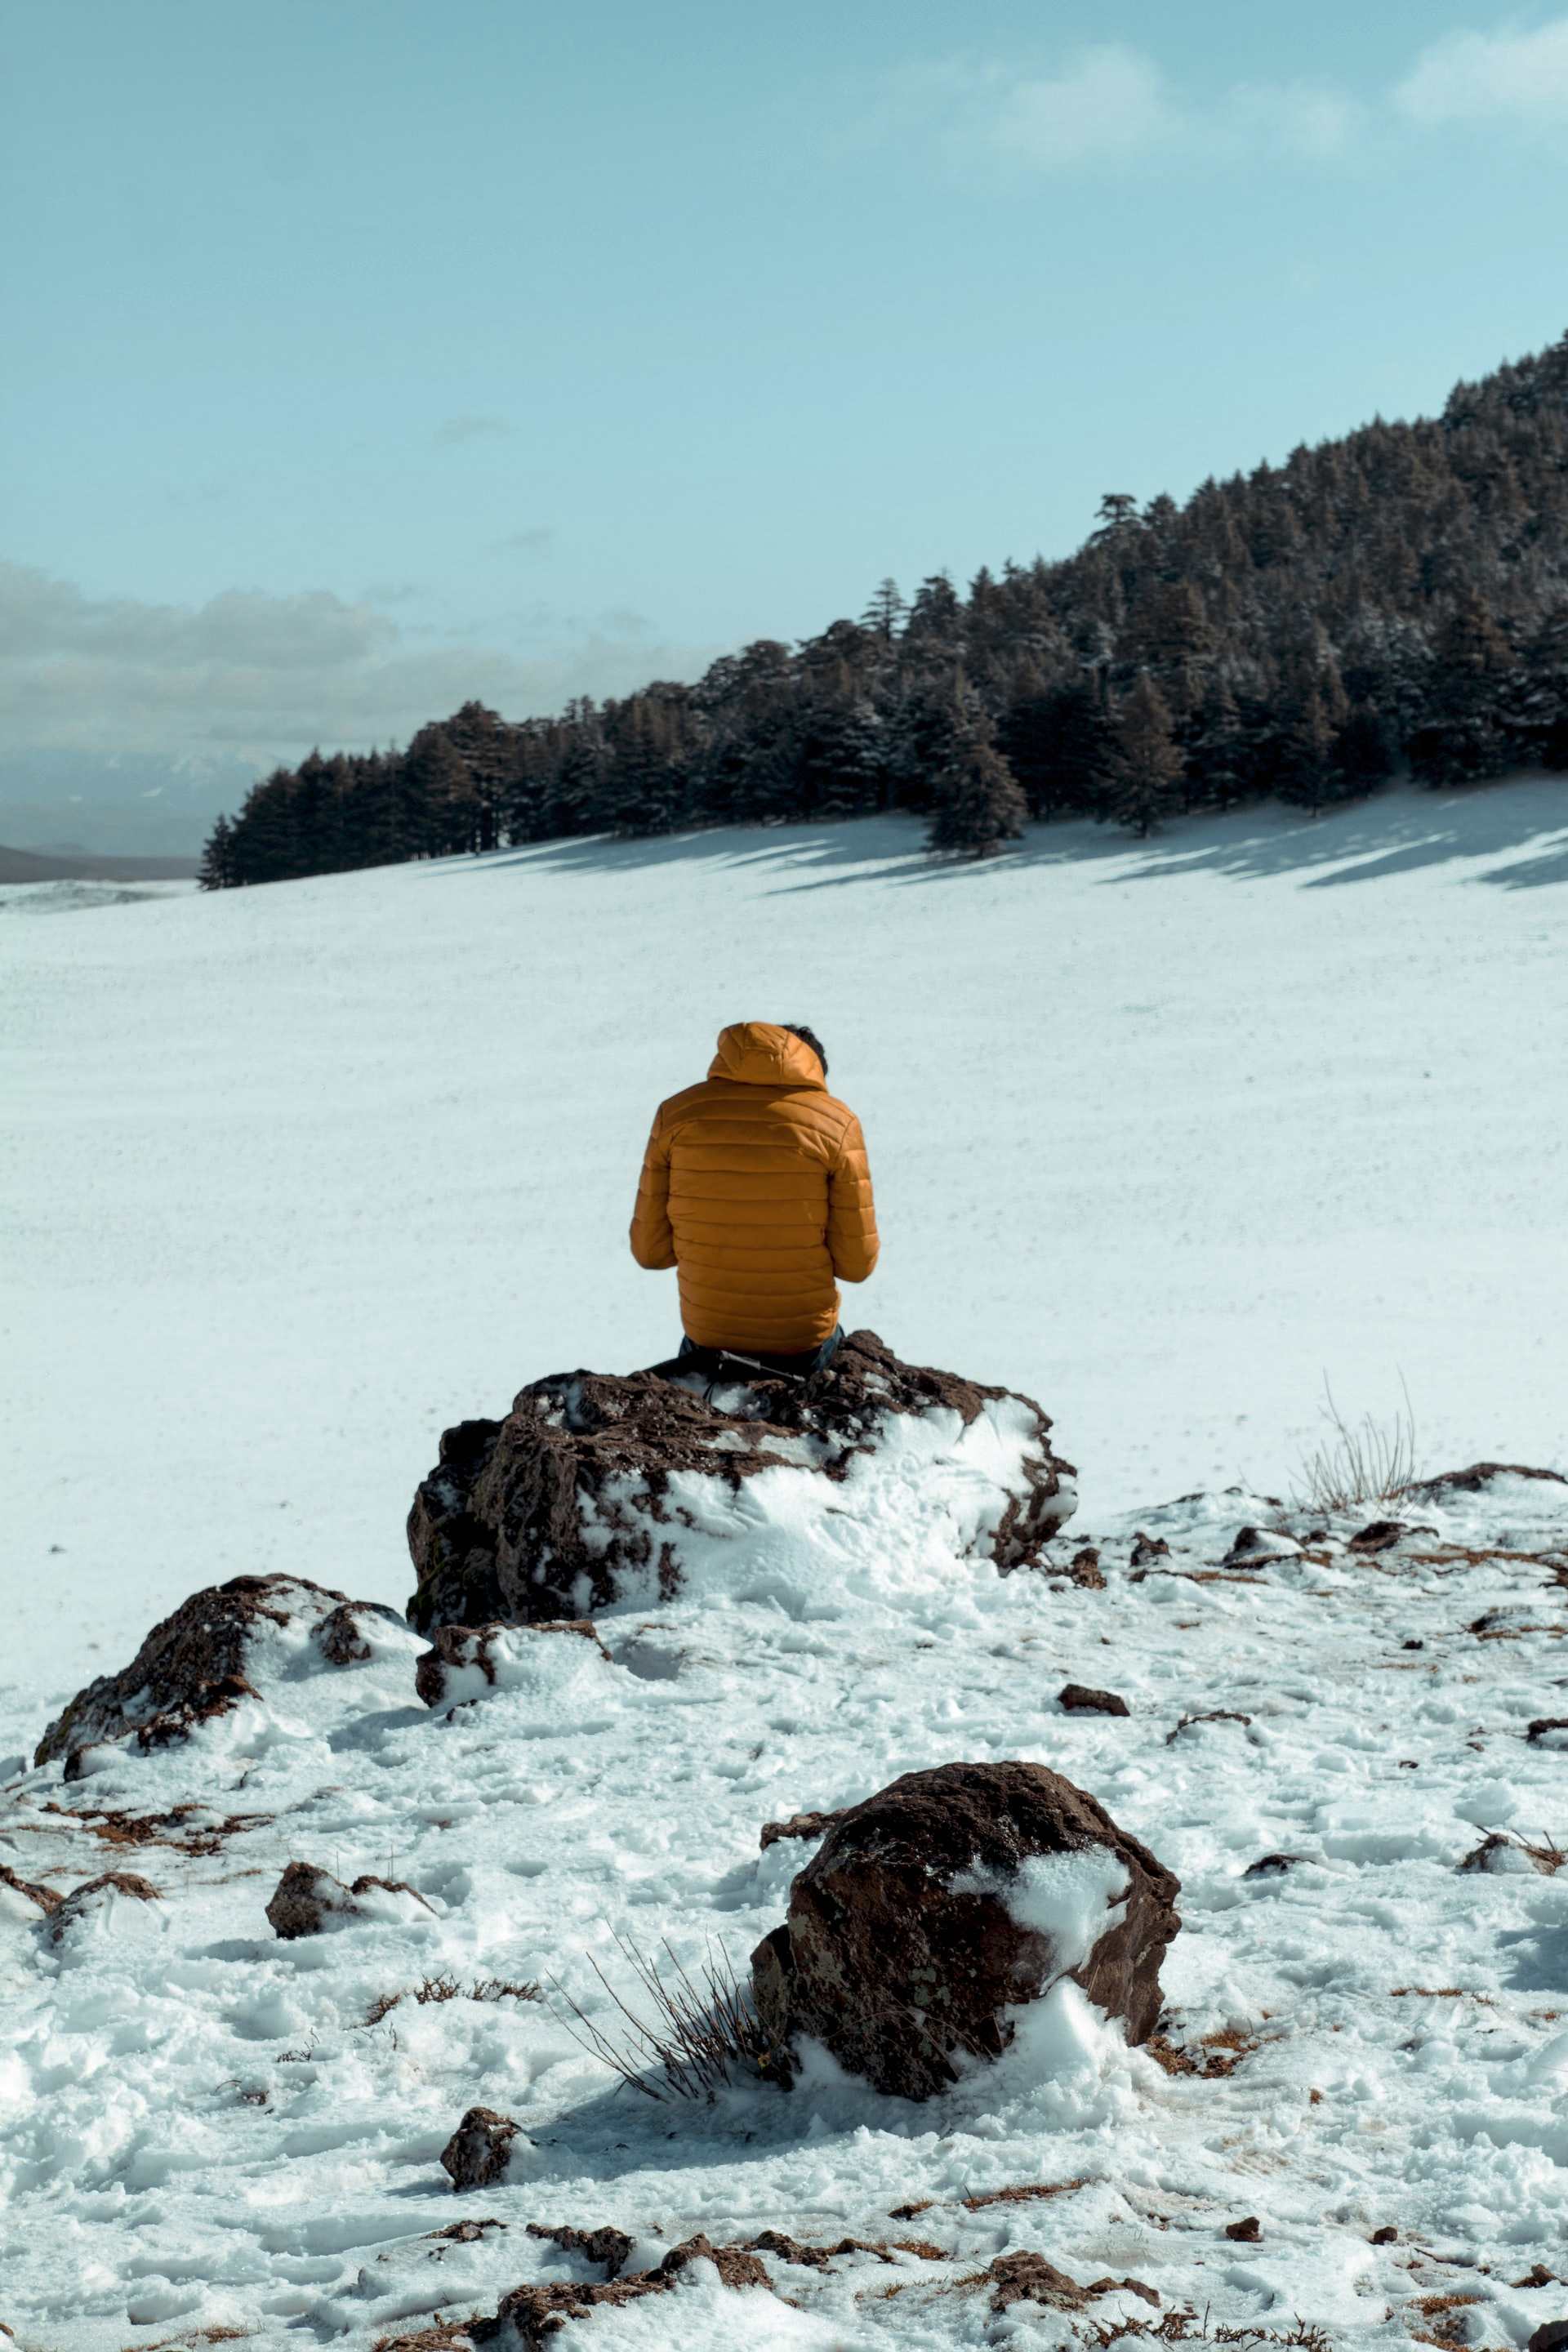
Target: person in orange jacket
756, 1188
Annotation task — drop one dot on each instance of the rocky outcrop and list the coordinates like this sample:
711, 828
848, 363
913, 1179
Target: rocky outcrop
214, 1651
597, 1489
309, 1901
466, 1661
938, 1907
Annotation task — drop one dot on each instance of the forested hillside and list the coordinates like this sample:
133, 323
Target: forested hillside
1400, 595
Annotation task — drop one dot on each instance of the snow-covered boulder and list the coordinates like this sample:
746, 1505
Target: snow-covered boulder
258, 1642
465, 1662
933, 1912
597, 1490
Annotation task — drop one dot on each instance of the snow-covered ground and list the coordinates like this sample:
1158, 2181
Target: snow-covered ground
1162, 1133
206, 2127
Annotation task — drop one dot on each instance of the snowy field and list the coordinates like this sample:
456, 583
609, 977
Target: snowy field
293, 1178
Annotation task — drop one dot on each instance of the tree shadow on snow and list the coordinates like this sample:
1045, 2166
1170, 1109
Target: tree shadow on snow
1399, 831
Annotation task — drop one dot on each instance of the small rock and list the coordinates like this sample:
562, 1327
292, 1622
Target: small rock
466, 1661
31, 1896
479, 2153
1146, 1549
1244, 2233
533, 2315
1259, 1544
799, 1825
307, 1900
1079, 1699
98, 1894
1029, 2278
1212, 1714
1378, 1535
1387, 2236
1272, 1866
1085, 1570
607, 2246
1545, 1727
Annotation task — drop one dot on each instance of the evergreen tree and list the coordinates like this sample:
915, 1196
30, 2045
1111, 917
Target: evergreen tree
1147, 763
884, 612
216, 870
978, 805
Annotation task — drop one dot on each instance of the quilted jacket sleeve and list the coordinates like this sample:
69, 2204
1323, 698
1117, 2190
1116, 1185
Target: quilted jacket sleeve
653, 1242
851, 1212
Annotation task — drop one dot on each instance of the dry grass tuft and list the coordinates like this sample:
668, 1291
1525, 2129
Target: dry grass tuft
703, 2032
1367, 1461
444, 1988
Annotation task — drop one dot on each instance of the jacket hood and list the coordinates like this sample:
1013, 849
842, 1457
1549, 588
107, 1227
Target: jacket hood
761, 1054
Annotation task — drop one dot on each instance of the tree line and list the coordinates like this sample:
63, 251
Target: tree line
1397, 598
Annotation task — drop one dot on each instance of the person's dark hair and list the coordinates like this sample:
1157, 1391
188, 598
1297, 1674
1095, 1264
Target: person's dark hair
809, 1037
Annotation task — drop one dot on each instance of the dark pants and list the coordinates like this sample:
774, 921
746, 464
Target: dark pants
814, 1360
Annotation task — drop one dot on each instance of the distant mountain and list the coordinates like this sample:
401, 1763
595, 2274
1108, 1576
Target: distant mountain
117, 804
24, 865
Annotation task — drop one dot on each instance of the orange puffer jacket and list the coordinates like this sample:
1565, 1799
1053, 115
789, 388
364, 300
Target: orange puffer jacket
755, 1185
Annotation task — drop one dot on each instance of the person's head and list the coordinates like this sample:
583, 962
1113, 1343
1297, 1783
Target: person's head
808, 1037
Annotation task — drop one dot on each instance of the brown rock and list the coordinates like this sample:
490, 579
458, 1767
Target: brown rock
1029, 2278
1270, 1865
479, 2151
899, 1970
1079, 1699
1380, 1534
609, 2247
1145, 1551
1544, 1725
799, 1825
532, 2316
192, 1666
1387, 2236
44, 1898
458, 1651
1244, 2233
511, 1525
1552, 2335
1481, 1474
90, 1897
1085, 1570
307, 1897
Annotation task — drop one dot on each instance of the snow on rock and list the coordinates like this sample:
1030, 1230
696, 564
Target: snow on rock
309, 1901
956, 1896
467, 1661
596, 1491
246, 1650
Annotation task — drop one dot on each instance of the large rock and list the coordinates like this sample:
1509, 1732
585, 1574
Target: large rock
245, 1640
945, 1902
218, 1648
597, 1489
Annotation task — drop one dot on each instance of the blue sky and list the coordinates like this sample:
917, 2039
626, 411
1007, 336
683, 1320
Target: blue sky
366, 354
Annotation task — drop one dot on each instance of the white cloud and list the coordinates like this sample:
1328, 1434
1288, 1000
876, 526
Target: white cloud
1486, 77
1108, 101
269, 676
1111, 104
